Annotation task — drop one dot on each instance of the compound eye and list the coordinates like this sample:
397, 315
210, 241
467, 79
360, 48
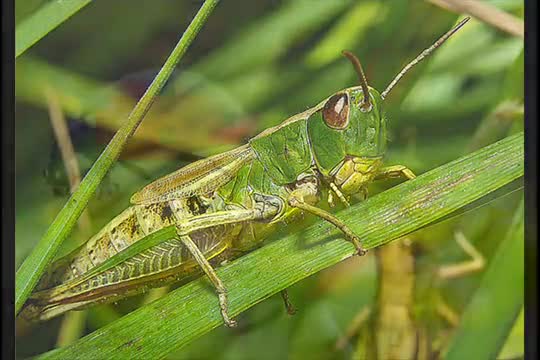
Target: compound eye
335, 112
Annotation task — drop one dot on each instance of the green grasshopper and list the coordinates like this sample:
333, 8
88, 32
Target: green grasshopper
392, 328
232, 200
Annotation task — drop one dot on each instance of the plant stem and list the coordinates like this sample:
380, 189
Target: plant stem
33, 267
72, 326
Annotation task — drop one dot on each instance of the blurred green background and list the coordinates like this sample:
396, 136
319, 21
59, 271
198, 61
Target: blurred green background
253, 65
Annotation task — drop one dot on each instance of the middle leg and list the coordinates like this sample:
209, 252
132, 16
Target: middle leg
265, 209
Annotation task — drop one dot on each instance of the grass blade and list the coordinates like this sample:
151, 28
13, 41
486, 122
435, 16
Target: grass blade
514, 345
43, 21
489, 317
183, 315
30, 271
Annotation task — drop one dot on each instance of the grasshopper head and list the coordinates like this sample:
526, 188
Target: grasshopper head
348, 134
351, 124
360, 123
368, 120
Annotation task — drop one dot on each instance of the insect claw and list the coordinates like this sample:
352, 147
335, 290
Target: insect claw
223, 305
359, 249
361, 252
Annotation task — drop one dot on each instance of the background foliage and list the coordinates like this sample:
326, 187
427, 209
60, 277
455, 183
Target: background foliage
253, 65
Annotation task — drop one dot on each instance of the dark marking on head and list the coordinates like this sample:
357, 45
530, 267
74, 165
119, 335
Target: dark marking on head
335, 112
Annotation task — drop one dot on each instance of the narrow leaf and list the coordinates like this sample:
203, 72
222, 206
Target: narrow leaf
43, 21
489, 317
188, 312
31, 270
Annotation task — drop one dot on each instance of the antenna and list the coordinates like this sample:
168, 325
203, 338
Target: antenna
366, 104
423, 55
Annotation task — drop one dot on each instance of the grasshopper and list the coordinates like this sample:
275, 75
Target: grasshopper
232, 200
391, 328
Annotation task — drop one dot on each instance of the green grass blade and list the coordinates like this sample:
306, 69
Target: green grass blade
348, 30
514, 345
105, 105
183, 315
80, 96
489, 317
30, 271
278, 32
43, 21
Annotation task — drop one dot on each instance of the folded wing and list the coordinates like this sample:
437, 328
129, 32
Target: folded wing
199, 178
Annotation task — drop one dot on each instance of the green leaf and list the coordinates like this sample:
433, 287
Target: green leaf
489, 317
43, 21
349, 30
102, 105
185, 314
278, 32
79, 96
514, 346
514, 83
33, 267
